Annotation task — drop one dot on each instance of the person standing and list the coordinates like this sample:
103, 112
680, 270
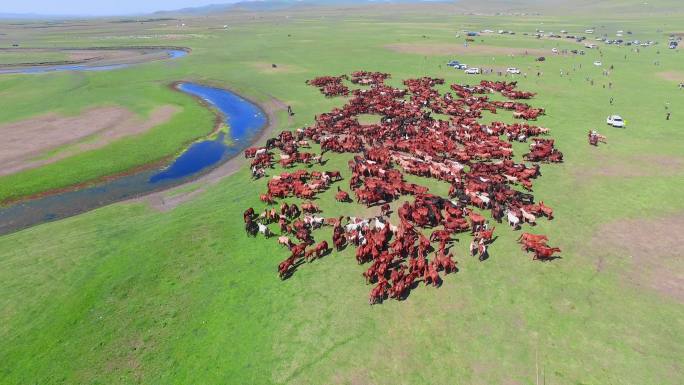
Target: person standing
611, 100
667, 117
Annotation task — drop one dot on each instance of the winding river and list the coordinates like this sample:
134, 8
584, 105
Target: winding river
99, 65
244, 118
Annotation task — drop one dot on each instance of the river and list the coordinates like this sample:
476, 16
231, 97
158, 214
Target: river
244, 119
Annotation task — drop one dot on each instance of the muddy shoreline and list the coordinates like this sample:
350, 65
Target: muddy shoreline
159, 200
137, 169
210, 175
87, 61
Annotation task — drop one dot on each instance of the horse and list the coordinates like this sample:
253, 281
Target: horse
512, 219
264, 230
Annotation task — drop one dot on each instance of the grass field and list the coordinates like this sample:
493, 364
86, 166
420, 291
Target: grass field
127, 294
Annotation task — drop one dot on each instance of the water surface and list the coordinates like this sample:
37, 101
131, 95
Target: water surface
244, 119
37, 69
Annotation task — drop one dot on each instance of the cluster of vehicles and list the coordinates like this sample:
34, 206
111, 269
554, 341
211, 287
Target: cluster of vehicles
614, 120
672, 44
608, 41
457, 65
500, 32
475, 70
604, 39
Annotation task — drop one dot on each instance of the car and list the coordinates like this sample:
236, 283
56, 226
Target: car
554, 50
598, 63
461, 66
472, 71
615, 121
512, 70
453, 63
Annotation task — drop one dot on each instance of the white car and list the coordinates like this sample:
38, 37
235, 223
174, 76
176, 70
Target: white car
615, 121
473, 71
513, 70
598, 63
554, 50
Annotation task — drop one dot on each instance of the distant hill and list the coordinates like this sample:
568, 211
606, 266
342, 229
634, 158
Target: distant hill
564, 7
274, 5
31, 16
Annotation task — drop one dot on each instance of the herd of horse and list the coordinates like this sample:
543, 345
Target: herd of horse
476, 160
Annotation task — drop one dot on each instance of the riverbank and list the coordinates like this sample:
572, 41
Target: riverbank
90, 58
250, 122
169, 199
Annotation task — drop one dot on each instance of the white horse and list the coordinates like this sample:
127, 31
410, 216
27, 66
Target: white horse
473, 247
356, 224
314, 221
263, 229
512, 219
529, 217
285, 241
485, 199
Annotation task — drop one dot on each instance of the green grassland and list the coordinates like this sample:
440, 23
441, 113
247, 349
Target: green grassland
13, 57
125, 294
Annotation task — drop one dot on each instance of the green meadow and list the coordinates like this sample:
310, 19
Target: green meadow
126, 294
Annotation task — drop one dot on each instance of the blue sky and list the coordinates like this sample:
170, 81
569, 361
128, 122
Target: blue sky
98, 7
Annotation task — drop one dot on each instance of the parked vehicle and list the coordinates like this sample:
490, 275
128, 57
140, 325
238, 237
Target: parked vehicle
598, 63
473, 71
615, 121
513, 70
